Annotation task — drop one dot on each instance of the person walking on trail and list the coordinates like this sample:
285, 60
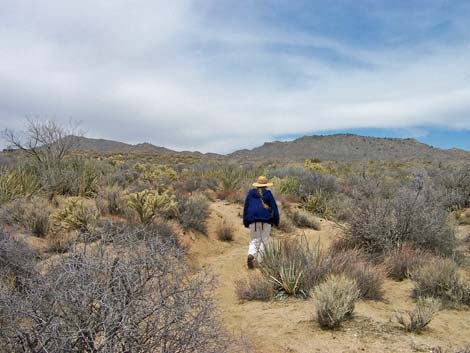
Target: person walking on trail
259, 214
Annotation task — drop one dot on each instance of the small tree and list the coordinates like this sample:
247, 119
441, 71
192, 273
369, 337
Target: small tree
48, 142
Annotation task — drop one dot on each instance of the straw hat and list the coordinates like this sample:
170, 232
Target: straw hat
262, 182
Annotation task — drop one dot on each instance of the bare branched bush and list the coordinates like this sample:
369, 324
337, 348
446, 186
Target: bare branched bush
255, 287
193, 212
48, 142
225, 232
421, 316
17, 263
132, 294
380, 224
334, 300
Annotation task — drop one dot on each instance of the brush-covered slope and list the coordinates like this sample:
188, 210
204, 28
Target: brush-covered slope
344, 147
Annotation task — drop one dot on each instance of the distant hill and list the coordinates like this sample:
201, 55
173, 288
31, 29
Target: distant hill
349, 147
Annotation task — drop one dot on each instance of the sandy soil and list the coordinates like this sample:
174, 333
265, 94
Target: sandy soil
289, 325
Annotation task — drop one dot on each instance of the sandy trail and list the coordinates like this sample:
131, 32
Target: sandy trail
289, 325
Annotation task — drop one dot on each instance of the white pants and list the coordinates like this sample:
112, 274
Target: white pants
259, 233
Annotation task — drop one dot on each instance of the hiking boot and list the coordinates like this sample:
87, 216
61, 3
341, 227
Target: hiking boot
250, 262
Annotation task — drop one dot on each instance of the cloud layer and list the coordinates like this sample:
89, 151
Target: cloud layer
219, 75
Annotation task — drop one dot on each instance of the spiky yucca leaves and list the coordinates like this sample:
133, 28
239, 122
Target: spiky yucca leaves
292, 266
77, 216
16, 183
421, 316
148, 203
335, 299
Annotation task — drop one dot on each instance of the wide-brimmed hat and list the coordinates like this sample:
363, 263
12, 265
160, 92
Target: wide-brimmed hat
262, 182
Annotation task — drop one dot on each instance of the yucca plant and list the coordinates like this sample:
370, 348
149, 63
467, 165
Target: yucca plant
148, 203
16, 182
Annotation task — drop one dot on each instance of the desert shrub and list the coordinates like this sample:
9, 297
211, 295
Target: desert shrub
159, 175
287, 186
37, 217
303, 219
110, 200
403, 260
32, 214
421, 316
255, 287
225, 232
317, 204
286, 224
17, 182
439, 278
72, 177
292, 266
59, 242
380, 224
77, 215
334, 300
148, 203
124, 296
369, 278
193, 212
442, 350
17, 263
456, 185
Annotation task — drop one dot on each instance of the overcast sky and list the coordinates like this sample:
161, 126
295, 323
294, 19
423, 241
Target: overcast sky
221, 75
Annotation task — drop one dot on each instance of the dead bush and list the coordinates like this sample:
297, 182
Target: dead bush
254, 287
132, 294
421, 316
111, 201
334, 300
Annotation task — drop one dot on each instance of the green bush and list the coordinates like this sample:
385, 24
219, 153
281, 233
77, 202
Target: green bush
334, 300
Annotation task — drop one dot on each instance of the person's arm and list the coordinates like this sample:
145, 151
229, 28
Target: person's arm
245, 211
273, 206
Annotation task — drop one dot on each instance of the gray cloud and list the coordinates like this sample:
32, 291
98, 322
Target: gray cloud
165, 73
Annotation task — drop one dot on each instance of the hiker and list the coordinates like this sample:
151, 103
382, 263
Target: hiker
259, 214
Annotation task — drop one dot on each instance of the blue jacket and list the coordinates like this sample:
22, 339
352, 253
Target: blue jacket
254, 210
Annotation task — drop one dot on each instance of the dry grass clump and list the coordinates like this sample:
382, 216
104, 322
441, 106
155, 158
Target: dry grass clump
421, 316
369, 278
443, 350
225, 232
439, 278
400, 262
334, 300
254, 287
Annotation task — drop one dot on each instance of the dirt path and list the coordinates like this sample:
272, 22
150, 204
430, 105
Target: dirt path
288, 325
